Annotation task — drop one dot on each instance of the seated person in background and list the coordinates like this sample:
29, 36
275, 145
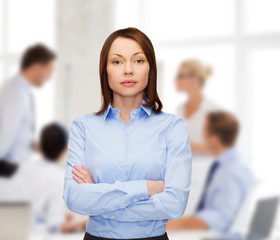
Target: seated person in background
228, 180
52, 208
41, 183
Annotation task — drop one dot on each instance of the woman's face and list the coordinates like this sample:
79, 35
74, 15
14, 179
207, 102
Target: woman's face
127, 62
186, 81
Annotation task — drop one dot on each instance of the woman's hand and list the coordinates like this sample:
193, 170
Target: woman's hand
155, 187
82, 174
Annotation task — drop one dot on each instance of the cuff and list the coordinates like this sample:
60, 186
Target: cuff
211, 219
138, 190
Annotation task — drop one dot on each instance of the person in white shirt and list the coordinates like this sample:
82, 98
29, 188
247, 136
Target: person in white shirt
46, 191
40, 182
17, 122
191, 79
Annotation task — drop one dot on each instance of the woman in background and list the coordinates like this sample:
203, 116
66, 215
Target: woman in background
191, 79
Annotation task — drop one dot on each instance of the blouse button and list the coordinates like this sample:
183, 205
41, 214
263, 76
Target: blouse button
105, 216
135, 200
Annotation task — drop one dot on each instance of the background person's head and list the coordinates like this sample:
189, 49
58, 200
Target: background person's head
128, 54
37, 64
53, 141
192, 76
221, 129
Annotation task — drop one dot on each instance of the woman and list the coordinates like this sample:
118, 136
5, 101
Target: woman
191, 78
129, 164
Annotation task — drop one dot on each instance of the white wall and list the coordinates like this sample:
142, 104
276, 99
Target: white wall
82, 28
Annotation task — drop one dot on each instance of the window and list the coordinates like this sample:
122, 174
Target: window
241, 41
262, 16
265, 114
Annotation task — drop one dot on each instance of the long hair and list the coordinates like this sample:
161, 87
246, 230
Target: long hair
150, 92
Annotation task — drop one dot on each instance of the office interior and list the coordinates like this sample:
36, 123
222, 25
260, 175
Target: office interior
239, 39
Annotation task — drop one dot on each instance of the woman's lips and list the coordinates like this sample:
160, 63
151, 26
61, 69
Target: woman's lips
128, 83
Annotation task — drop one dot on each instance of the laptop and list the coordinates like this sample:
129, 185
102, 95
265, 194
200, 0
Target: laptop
15, 220
261, 223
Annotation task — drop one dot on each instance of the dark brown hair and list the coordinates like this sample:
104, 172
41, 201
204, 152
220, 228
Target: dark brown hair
37, 53
150, 92
223, 125
53, 140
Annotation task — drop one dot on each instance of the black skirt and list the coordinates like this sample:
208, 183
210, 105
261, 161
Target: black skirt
161, 237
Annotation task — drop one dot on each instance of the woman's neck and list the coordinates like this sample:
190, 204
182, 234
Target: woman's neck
193, 104
126, 104
195, 99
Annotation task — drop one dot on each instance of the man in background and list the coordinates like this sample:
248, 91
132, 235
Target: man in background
17, 120
229, 178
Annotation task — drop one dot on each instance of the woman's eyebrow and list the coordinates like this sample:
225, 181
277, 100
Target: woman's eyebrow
119, 55
137, 53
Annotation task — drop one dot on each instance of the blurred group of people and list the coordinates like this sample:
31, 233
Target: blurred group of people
221, 179
37, 181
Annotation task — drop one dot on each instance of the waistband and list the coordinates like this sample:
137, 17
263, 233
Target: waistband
91, 237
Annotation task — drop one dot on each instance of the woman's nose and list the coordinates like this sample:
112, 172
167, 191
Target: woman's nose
128, 69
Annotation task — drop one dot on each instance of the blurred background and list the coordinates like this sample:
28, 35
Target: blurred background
239, 39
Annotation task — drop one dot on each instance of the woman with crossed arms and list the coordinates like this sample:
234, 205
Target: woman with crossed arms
129, 164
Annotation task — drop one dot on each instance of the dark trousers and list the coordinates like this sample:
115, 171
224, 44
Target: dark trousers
90, 237
7, 169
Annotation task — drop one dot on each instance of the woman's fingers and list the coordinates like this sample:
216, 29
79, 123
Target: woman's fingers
81, 170
87, 172
83, 173
78, 179
79, 175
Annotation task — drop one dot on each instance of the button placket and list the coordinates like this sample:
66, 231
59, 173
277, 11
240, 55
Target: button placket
125, 145
127, 128
123, 141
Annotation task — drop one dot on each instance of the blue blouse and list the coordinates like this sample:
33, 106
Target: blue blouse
121, 157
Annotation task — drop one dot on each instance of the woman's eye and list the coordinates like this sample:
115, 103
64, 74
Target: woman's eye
116, 62
139, 61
